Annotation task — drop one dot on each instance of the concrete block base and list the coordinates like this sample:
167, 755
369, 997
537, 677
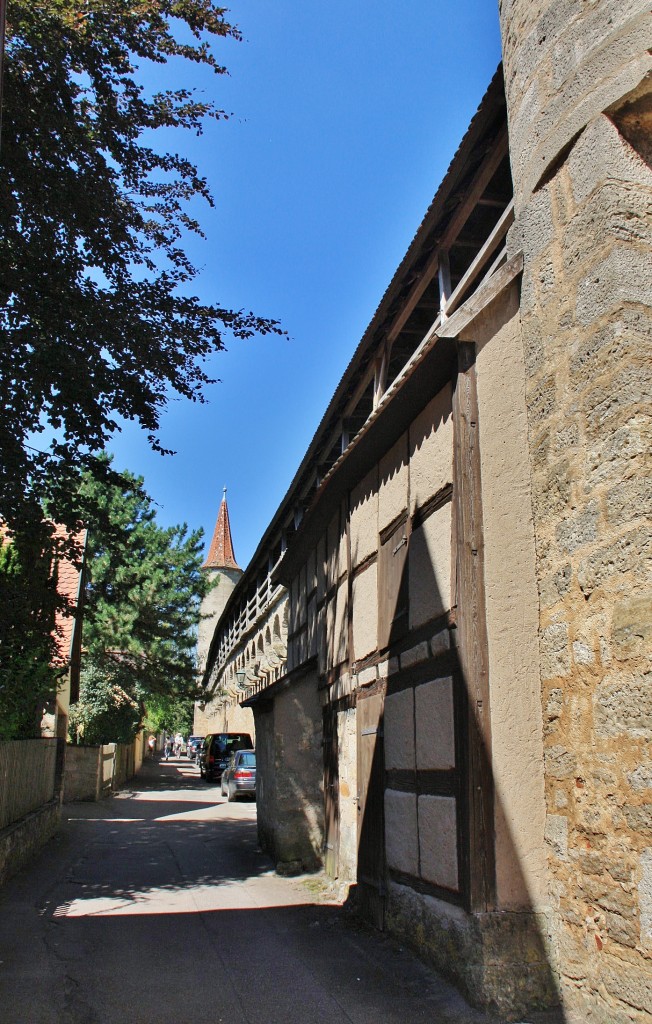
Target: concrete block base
498, 960
22, 840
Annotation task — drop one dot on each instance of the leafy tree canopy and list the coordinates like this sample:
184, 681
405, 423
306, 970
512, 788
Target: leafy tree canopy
27, 640
142, 607
97, 319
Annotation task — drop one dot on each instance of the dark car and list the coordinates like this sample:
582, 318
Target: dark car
239, 779
194, 746
216, 752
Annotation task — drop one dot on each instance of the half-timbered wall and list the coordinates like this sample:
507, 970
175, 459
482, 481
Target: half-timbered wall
389, 603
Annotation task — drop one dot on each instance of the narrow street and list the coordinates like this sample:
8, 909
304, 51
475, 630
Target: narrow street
157, 906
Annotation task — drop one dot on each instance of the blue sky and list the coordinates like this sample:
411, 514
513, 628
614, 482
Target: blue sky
345, 118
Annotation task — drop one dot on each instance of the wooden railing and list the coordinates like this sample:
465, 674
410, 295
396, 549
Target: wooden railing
28, 777
251, 612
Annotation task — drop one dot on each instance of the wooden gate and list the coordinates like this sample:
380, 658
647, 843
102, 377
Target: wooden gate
372, 885
331, 793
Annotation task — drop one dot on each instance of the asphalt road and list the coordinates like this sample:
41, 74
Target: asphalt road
156, 907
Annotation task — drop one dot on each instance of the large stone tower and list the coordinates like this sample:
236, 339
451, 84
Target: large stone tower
224, 572
579, 99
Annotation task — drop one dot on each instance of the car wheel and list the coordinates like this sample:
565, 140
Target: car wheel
231, 795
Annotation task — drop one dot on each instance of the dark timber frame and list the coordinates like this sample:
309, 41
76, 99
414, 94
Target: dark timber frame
472, 641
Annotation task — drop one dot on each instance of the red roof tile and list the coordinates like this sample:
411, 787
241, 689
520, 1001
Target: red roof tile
220, 554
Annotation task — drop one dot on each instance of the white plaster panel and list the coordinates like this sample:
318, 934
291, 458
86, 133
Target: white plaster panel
431, 448
337, 626
438, 840
348, 774
294, 604
312, 627
364, 519
399, 730
511, 607
430, 567
311, 571
401, 843
394, 478
302, 610
435, 725
321, 568
365, 611
333, 551
323, 648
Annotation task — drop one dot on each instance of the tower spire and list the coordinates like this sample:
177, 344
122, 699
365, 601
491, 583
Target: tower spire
220, 554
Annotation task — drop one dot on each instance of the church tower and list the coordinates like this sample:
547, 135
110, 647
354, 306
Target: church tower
222, 568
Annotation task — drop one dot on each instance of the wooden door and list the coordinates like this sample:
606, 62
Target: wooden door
372, 885
331, 793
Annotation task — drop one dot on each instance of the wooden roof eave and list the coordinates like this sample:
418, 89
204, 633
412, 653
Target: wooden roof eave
430, 369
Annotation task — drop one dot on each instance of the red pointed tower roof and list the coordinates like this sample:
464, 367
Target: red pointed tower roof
220, 554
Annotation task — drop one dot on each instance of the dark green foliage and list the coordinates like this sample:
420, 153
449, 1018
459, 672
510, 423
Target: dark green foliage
106, 712
170, 714
142, 608
27, 646
97, 320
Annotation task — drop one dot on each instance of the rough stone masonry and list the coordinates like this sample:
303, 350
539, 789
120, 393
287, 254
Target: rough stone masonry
579, 97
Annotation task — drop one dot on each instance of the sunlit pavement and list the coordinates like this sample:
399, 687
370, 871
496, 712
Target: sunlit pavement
157, 906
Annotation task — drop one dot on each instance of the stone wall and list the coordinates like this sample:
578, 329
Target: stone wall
229, 717
93, 772
290, 777
579, 117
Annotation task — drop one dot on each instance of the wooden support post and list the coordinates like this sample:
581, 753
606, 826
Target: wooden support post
444, 274
472, 640
380, 376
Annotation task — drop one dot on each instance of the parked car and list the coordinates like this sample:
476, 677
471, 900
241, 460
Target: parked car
216, 751
239, 778
194, 746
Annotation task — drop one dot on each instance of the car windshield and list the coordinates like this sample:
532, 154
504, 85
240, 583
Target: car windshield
227, 744
247, 759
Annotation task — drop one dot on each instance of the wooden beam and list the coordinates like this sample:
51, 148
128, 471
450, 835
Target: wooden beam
380, 375
445, 288
503, 225
472, 638
479, 183
486, 293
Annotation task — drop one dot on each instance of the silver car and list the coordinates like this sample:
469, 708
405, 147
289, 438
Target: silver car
239, 777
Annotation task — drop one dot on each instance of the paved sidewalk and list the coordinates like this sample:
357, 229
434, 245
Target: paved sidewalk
156, 907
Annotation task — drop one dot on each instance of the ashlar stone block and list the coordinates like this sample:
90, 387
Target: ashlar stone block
601, 153
645, 898
623, 706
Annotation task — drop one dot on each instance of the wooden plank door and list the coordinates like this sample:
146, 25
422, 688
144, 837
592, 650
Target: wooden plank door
331, 792
372, 885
